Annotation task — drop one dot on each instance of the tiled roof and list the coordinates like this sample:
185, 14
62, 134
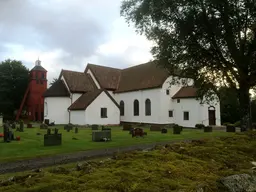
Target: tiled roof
87, 98
107, 77
38, 68
186, 92
144, 76
58, 89
78, 82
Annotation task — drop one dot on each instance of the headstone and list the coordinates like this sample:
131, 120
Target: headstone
138, 132
131, 131
29, 125
101, 136
21, 129
230, 128
48, 131
177, 129
76, 130
164, 130
47, 122
13, 125
1, 120
68, 127
6, 132
56, 131
155, 128
95, 127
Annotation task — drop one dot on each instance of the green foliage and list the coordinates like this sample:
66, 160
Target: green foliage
213, 42
14, 78
175, 167
53, 81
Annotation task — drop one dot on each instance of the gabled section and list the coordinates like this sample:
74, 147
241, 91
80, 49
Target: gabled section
78, 82
144, 76
107, 77
186, 92
58, 89
87, 98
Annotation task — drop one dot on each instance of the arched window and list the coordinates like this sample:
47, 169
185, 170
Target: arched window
136, 108
122, 108
147, 107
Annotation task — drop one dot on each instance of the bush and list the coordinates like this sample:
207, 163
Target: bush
177, 129
237, 124
200, 126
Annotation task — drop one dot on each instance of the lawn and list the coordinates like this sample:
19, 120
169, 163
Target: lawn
31, 144
183, 167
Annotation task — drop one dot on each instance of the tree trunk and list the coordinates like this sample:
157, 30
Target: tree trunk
244, 103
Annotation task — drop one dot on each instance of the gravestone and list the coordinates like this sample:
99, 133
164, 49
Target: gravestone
68, 127
138, 132
101, 136
13, 125
95, 127
47, 122
6, 133
131, 131
76, 130
230, 128
52, 139
29, 125
164, 130
177, 129
21, 129
155, 128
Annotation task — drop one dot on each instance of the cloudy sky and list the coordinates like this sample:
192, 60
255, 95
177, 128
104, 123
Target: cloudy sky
68, 34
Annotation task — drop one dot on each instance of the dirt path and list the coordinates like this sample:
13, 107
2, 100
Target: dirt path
40, 162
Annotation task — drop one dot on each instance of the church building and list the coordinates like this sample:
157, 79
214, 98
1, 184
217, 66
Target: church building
139, 94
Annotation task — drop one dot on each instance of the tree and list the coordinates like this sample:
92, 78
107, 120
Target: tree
228, 105
211, 41
53, 81
14, 78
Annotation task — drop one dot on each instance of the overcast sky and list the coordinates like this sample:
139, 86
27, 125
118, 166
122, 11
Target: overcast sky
68, 34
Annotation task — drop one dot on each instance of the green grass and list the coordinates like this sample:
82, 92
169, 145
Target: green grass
31, 145
178, 167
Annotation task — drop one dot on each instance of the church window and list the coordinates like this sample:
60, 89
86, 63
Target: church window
122, 108
186, 115
170, 113
167, 92
136, 108
103, 112
148, 107
42, 76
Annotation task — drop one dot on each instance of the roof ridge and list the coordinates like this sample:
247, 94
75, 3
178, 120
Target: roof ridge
103, 66
72, 71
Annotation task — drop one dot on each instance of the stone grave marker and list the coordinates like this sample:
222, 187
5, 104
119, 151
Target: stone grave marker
6, 133
52, 139
164, 130
138, 132
98, 136
95, 127
76, 130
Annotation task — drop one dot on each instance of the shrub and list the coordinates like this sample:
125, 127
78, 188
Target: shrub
237, 124
177, 129
200, 126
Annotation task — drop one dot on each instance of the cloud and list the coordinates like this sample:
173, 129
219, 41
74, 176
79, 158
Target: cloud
68, 34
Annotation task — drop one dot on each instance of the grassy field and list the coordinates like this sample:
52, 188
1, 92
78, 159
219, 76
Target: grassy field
31, 144
178, 167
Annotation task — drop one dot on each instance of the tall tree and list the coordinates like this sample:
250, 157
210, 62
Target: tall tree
53, 81
14, 78
211, 41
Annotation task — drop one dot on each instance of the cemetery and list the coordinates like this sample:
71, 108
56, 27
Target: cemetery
20, 142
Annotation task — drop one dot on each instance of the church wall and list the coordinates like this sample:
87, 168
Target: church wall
141, 96
77, 117
55, 109
93, 111
75, 96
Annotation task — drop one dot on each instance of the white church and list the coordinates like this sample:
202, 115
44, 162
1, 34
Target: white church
139, 94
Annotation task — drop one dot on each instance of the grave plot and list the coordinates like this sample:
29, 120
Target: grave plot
104, 135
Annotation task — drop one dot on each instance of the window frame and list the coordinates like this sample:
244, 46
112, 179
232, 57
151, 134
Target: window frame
184, 116
103, 112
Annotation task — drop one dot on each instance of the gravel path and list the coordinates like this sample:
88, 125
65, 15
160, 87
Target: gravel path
40, 162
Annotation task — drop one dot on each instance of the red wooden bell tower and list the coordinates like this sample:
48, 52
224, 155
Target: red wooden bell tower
33, 99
